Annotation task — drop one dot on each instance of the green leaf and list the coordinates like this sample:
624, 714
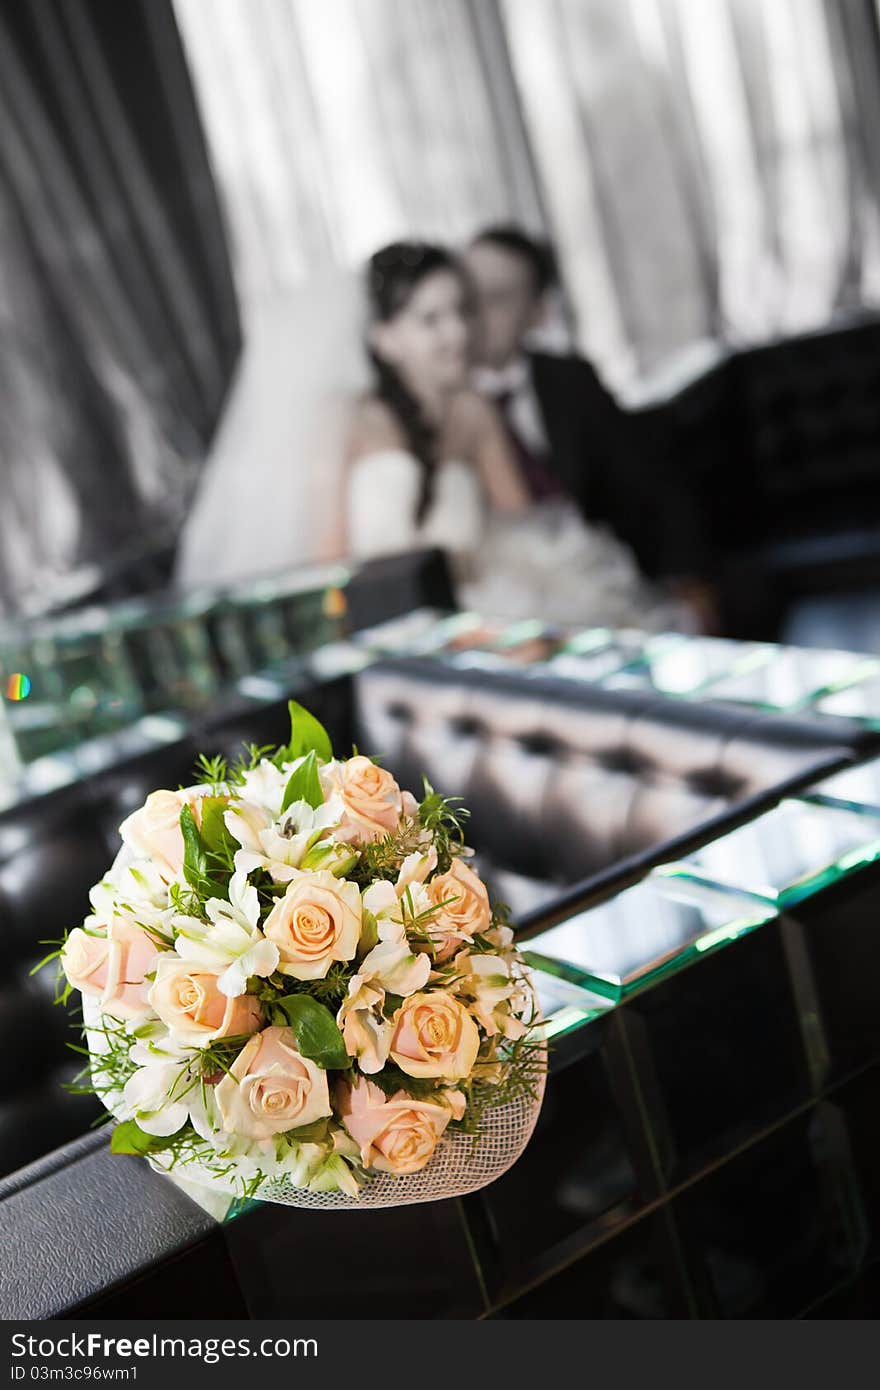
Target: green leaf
392, 1003
314, 1028
195, 860
369, 934
214, 834
307, 735
304, 784
391, 1080
129, 1138
329, 856
316, 1133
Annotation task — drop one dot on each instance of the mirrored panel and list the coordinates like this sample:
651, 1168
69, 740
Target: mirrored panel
793, 677
860, 701
787, 854
644, 933
856, 789
689, 667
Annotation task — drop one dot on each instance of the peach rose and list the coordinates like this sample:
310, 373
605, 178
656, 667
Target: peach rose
188, 1000
434, 1035
465, 910
85, 960
316, 922
372, 799
112, 968
396, 1134
154, 831
270, 1088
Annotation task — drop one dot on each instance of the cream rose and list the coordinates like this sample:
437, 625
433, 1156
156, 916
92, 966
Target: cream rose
188, 1000
271, 1088
316, 922
396, 1135
464, 912
154, 831
372, 800
112, 967
434, 1035
85, 960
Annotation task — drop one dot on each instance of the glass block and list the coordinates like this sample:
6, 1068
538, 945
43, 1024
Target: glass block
717, 1052
791, 677
292, 1262
856, 789
644, 933
859, 701
854, 1109
591, 666
636, 1275
785, 855
764, 1230
564, 1003
690, 666
590, 639
398, 635
577, 1180
836, 947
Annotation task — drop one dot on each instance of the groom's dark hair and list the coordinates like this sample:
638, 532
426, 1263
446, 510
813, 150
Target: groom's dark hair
535, 251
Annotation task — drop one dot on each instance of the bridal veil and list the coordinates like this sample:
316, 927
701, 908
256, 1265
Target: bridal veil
271, 494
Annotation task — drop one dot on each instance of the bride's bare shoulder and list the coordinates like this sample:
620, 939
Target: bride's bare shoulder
372, 427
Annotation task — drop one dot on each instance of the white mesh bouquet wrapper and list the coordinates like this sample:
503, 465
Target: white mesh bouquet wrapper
459, 1165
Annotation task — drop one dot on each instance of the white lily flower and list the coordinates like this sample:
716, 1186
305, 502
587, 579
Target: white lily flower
280, 847
245, 820
264, 786
393, 967
233, 938
366, 1033
156, 1097
495, 999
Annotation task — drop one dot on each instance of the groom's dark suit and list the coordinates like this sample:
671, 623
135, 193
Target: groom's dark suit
617, 466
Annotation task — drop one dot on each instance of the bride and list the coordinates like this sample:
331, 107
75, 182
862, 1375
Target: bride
429, 464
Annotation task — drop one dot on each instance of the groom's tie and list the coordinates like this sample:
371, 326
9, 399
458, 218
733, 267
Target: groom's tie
538, 476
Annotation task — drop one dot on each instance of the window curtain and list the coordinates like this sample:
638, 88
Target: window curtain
709, 166
342, 125
118, 317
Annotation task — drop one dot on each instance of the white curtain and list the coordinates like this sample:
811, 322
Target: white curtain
339, 125
703, 168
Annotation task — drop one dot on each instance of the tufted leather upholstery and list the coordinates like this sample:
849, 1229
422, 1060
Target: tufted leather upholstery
782, 445
566, 783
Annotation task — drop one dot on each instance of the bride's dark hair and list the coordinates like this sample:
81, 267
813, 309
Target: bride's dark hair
393, 274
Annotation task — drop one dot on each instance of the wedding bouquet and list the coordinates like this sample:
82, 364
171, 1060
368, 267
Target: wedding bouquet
294, 986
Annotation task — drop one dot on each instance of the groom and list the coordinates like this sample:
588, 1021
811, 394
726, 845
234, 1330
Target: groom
569, 435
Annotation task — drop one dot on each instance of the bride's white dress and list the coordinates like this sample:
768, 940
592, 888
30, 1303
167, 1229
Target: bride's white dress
546, 563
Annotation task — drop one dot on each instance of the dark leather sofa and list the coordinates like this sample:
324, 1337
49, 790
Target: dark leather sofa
781, 445
572, 790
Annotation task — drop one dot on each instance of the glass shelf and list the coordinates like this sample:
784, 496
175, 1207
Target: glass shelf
565, 1001
644, 933
688, 667
861, 701
785, 855
856, 789
790, 678
591, 667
